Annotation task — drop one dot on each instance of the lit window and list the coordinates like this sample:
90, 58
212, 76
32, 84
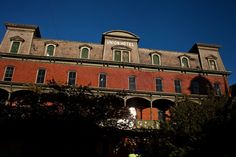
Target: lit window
15, 47
212, 64
217, 89
132, 83
71, 78
156, 59
84, 53
121, 55
8, 73
102, 80
50, 49
185, 62
158, 85
177, 86
40, 76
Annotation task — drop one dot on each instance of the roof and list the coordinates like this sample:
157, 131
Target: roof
35, 27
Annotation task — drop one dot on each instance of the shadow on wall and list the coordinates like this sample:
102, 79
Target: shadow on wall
200, 85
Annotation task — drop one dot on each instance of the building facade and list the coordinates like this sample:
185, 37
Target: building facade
151, 78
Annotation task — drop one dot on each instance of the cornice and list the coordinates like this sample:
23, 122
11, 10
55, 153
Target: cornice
107, 63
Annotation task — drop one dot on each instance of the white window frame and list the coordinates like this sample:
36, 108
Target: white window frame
46, 48
99, 79
89, 49
68, 74
209, 64
6, 71
153, 59
38, 73
181, 61
12, 44
121, 55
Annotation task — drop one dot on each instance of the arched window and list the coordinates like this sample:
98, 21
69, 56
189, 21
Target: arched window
50, 50
16, 42
156, 59
184, 62
84, 53
212, 64
15, 47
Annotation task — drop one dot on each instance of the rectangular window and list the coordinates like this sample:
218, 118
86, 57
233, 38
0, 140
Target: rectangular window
117, 56
132, 83
15, 47
217, 89
177, 86
195, 87
125, 56
8, 73
41, 76
102, 80
71, 78
158, 85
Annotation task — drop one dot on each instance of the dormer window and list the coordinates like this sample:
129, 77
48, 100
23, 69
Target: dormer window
84, 53
16, 42
184, 61
50, 48
121, 53
212, 62
155, 58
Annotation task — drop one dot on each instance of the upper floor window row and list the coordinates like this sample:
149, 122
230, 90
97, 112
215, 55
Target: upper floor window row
212, 62
8, 73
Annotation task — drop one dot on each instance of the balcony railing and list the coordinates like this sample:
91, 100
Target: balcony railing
147, 124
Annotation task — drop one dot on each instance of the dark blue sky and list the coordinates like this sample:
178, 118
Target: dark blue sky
161, 24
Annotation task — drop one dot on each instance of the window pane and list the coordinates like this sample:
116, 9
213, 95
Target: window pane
50, 50
85, 52
15, 47
132, 83
158, 85
213, 65
40, 76
177, 86
125, 56
156, 60
185, 62
117, 56
217, 89
195, 87
102, 80
8, 73
72, 78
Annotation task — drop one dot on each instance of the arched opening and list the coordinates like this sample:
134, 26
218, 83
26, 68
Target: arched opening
141, 106
160, 109
3, 96
23, 98
200, 85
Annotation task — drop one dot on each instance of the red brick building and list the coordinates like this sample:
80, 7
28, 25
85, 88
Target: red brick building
152, 78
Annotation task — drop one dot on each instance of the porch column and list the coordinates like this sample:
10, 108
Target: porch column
151, 116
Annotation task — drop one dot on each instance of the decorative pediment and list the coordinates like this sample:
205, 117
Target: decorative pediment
51, 42
85, 45
17, 38
187, 56
155, 52
211, 57
121, 47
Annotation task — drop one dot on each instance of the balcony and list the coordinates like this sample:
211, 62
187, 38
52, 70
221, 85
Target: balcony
147, 124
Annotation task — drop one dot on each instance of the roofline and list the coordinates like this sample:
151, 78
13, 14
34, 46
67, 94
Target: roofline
35, 27
124, 31
208, 45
